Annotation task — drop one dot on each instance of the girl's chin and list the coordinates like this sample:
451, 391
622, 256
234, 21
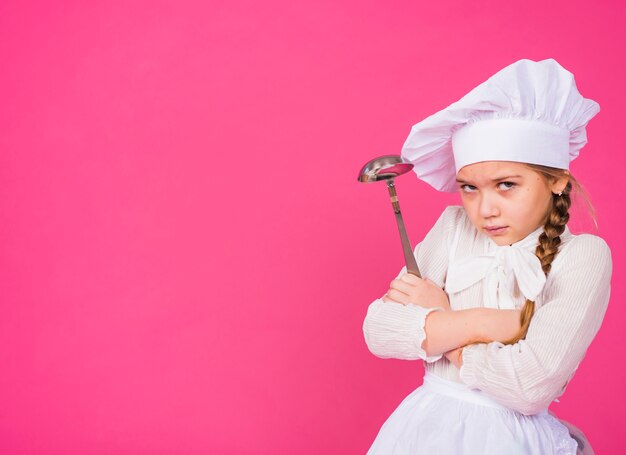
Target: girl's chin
501, 236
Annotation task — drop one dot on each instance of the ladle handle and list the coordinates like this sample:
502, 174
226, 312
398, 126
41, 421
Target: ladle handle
409, 257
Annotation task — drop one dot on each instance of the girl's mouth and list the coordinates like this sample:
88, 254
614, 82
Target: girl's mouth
496, 230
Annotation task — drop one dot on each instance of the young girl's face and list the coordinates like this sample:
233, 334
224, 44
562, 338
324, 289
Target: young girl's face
506, 200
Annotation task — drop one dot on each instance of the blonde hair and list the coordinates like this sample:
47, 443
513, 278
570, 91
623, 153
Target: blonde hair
554, 225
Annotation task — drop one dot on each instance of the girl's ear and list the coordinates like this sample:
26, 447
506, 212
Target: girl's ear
558, 184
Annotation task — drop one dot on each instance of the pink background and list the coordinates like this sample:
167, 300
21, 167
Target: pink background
186, 256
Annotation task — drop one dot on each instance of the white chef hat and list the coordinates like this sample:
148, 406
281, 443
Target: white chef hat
529, 112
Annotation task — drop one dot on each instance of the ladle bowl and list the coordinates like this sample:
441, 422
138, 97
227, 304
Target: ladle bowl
384, 168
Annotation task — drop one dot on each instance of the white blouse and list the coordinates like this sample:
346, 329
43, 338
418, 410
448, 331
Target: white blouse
476, 272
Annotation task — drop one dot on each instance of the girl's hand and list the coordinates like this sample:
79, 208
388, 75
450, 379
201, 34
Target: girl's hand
409, 288
455, 356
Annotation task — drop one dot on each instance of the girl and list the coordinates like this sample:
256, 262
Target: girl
510, 299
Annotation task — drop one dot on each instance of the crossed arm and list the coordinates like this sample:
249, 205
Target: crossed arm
525, 376
447, 332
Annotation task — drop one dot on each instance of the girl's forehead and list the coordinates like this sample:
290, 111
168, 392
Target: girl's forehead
490, 170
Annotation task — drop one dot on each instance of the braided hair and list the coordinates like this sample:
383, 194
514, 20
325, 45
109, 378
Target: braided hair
550, 238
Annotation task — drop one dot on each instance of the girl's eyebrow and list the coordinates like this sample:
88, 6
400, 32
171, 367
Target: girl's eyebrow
496, 179
506, 177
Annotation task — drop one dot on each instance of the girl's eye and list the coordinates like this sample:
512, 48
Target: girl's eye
467, 188
507, 185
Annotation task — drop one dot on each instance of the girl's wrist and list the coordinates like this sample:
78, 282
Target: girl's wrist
495, 324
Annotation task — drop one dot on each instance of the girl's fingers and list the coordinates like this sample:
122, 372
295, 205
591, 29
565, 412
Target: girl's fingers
386, 298
410, 278
398, 296
401, 286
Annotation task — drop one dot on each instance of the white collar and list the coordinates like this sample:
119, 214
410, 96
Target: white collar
501, 266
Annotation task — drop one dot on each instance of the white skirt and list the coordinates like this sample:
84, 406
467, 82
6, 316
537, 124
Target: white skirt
447, 418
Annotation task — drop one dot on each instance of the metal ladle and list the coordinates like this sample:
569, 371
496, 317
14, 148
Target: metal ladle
387, 168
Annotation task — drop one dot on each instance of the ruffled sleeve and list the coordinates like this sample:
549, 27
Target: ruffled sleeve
527, 376
396, 331
393, 330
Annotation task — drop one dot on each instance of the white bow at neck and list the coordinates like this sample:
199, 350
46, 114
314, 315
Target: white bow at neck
501, 267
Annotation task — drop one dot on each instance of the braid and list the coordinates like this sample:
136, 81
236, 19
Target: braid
547, 249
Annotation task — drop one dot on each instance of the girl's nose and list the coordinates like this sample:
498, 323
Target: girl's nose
488, 207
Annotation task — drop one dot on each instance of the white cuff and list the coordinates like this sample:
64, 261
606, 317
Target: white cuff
393, 330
